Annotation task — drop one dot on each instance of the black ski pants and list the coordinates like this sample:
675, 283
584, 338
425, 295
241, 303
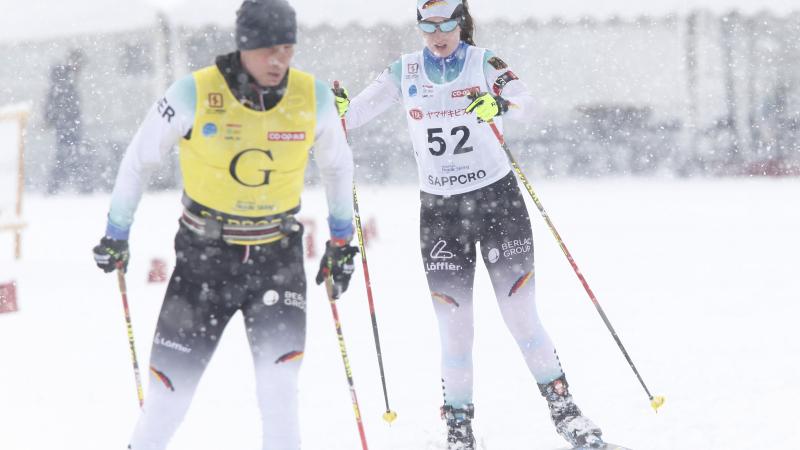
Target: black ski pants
451, 228
211, 282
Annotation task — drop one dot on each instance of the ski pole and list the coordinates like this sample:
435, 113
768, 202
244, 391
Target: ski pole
347, 370
123, 290
389, 416
655, 401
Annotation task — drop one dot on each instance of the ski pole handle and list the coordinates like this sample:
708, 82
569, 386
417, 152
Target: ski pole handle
339, 92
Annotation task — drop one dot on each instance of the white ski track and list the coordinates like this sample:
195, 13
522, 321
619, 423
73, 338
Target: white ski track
678, 265
607, 447
441, 444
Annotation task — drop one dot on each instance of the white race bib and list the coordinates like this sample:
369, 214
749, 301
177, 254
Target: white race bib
454, 153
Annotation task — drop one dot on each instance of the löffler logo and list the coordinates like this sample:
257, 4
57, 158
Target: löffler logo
440, 266
438, 251
158, 340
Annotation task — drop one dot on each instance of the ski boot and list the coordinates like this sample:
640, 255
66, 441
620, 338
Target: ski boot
570, 423
459, 427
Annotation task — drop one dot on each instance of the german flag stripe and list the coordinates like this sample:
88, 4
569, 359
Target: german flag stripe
446, 299
291, 356
162, 378
520, 283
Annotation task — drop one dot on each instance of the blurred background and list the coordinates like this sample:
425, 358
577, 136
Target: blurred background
661, 89
665, 144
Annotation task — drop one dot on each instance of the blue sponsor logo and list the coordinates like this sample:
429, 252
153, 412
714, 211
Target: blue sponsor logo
209, 129
412, 91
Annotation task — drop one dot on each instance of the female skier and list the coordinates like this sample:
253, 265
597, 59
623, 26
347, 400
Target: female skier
468, 196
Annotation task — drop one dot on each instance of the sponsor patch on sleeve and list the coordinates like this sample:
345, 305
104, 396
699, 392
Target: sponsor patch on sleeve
497, 63
501, 81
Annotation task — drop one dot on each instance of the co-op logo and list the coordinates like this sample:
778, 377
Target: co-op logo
465, 92
416, 114
286, 136
247, 167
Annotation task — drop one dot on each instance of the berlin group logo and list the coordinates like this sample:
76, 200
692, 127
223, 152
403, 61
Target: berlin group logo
271, 297
494, 255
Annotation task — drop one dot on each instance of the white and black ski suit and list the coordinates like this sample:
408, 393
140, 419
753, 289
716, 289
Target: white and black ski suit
214, 278
469, 198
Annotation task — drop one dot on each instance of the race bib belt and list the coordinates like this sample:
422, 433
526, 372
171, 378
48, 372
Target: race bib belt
454, 153
244, 163
240, 230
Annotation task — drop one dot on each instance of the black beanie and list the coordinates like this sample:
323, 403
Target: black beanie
265, 23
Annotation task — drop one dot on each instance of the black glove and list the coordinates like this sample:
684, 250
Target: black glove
111, 252
338, 262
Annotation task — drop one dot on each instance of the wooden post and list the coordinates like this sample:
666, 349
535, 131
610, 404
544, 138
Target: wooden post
18, 225
23, 123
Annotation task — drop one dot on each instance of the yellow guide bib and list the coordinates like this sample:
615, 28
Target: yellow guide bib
243, 162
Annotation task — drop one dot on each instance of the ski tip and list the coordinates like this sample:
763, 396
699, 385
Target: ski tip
390, 416
657, 402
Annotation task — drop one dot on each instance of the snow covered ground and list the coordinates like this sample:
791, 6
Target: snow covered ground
700, 278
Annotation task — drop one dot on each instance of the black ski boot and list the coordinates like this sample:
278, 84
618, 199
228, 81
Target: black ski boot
459, 427
570, 423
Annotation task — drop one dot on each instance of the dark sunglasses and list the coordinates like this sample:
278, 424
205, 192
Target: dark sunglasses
445, 27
